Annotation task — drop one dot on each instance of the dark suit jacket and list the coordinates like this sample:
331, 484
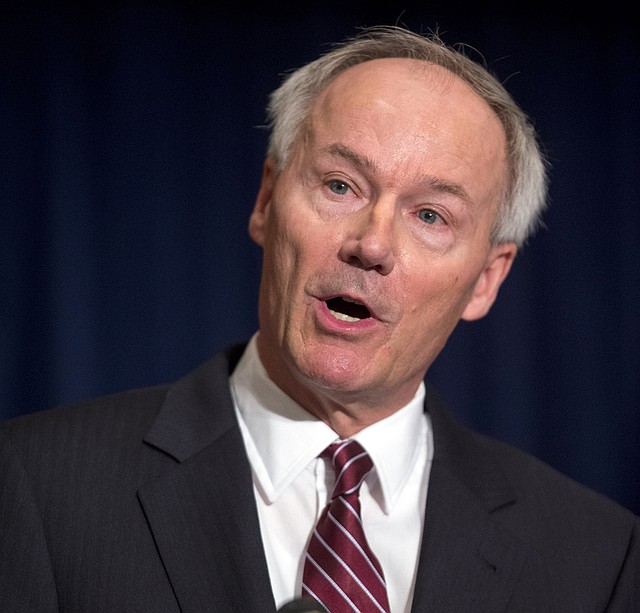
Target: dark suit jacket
142, 502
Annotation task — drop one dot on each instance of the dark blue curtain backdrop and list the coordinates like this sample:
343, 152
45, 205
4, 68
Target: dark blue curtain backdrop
131, 153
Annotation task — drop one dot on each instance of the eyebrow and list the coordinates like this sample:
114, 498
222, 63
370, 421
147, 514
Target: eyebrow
435, 183
356, 159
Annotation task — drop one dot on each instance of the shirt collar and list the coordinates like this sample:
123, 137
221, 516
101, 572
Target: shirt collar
282, 438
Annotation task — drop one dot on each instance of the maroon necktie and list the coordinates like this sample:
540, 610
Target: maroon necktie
341, 572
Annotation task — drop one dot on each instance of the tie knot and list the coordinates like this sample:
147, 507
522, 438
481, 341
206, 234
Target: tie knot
351, 464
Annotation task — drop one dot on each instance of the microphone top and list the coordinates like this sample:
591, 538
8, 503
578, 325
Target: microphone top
302, 605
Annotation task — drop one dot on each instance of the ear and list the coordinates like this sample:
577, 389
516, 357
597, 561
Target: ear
258, 218
496, 269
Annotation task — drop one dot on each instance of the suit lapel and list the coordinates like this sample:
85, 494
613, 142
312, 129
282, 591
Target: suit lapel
202, 512
468, 562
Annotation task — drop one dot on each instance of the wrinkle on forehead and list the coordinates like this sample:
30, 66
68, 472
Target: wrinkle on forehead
361, 161
403, 113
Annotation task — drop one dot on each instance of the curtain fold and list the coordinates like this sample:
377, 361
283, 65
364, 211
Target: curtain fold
132, 147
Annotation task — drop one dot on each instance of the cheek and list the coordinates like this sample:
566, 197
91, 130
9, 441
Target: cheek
302, 243
287, 250
292, 254
437, 294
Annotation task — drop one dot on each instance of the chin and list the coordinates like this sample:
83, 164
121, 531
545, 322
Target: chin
334, 369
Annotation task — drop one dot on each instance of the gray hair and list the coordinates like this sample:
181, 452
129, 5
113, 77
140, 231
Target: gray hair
524, 198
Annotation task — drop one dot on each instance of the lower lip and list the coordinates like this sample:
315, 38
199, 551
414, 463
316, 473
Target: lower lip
330, 323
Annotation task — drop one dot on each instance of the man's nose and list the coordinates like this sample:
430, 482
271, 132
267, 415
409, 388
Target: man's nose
370, 238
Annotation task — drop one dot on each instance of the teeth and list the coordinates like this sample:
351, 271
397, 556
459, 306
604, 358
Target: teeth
343, 316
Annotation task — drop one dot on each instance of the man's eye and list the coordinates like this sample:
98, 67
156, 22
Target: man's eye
428, 216
339, 187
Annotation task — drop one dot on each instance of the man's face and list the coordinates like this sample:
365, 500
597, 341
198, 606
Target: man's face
376, 235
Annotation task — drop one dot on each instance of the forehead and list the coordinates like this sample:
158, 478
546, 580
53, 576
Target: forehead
415, 115
405, 83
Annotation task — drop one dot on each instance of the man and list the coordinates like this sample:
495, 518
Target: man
400, 181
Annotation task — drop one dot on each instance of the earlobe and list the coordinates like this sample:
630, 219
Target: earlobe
497, 268
258, 218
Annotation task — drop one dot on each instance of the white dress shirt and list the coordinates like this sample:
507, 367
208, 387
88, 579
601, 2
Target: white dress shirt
283, 442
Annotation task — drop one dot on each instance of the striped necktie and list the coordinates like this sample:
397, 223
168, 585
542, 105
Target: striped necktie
341, 572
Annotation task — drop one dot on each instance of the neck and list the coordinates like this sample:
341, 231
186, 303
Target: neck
345, 411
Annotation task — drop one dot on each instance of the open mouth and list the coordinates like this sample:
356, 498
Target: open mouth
347, 310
